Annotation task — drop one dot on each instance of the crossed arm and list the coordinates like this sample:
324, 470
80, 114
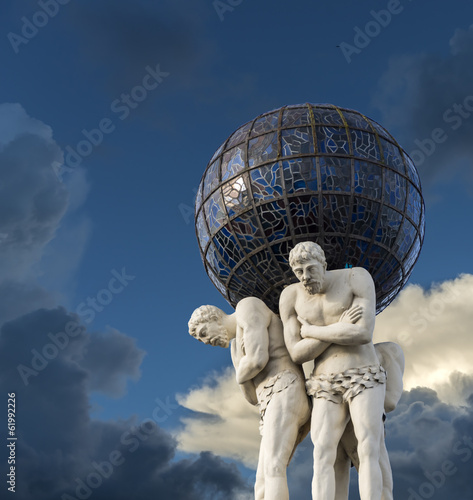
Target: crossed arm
300, 349
356, 324
305, 342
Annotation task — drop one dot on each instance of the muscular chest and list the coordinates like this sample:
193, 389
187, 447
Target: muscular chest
322, 309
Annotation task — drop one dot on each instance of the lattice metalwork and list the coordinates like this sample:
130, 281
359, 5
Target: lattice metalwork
308, 172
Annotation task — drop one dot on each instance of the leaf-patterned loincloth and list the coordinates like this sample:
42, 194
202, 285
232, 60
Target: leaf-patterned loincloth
272, 386
342, 387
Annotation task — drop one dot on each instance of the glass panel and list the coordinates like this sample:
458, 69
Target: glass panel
414, 204
295, 117
247, 231
266, 182
392, 156
365, 145
332, 140
233, 162
395, 190
300, 175
215, 212
297, 141
236, 196
239, 135
368, 179
412, 171
266, 123
262, 149
407, 235
211, 178
327, 116
202, 231
335, 174
356, 120
389, 226
364, 217
304, 214
335, 213
274, 220
228, 247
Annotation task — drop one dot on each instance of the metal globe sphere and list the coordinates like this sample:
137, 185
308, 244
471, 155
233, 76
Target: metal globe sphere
308, 172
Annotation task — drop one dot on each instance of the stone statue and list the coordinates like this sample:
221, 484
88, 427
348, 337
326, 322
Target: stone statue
268, 378
329, 317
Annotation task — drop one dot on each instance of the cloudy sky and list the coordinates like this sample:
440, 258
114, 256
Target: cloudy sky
99, 265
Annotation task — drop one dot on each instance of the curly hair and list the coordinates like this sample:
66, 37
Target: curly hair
204, 314
307, 250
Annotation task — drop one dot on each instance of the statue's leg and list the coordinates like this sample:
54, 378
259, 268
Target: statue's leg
386, 471
259, 483
328, 423
366, 410
342, 473
284, 416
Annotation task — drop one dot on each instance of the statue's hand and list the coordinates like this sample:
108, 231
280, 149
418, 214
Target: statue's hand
304, 327
351, 315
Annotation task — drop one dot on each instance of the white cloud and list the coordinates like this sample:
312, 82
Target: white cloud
225, 423
434, 328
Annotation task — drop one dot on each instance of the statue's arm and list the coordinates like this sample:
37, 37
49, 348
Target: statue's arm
301, 350
253, 317
247, 388
356, 325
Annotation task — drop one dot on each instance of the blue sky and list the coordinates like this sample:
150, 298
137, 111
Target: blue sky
126, 202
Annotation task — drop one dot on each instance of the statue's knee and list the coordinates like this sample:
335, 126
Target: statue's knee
274, 468
368, 448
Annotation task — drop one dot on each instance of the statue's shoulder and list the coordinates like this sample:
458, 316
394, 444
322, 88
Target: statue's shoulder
253, 304
289, 291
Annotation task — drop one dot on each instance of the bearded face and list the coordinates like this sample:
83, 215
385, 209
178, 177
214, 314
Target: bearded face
213, 333
311, 274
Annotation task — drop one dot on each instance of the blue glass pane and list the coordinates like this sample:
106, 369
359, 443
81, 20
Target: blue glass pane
389, 226
392, 156
239, 135
368, 179
364, 217
274, 220
407, 235
365, 145
335, 174
233, 162
332, 140
335, 211
395, 190
304, 214
297, 141
211, 178
295, 117
214, 260
247, 231
266, 182
215, 212
325, 116
202, 231
412, 170
262, 149
266, 123
228, 247
236, 196
356, 120
414, 204
300, 175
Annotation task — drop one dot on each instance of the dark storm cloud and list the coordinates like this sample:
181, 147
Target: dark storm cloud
52, 364
421, 93
109, 373
430, 446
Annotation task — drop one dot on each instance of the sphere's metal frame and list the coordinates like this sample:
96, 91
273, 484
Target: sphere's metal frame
314, 119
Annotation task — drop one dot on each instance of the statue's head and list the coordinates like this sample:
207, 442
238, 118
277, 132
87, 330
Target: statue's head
307, 260
207, 325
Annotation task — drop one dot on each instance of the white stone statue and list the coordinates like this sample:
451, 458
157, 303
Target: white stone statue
329, 317
268, 378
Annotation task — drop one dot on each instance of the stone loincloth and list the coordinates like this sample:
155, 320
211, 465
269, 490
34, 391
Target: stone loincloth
343, 387
272, 386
